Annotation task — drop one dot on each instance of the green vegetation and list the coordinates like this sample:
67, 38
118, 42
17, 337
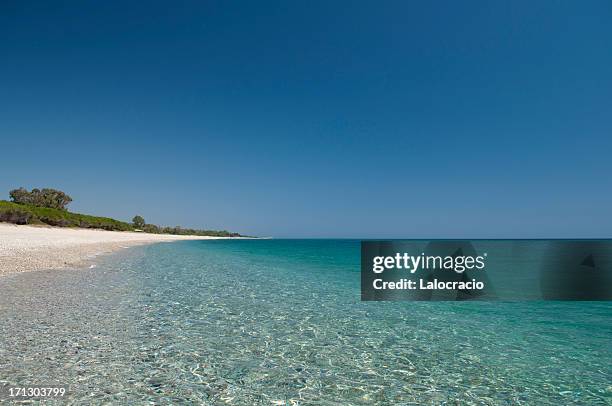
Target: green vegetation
51, 198
138, 222
29, 214
48, 206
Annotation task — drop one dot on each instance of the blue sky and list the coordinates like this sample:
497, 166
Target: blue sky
316, 119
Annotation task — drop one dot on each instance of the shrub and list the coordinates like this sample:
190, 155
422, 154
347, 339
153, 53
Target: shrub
16, 216
151, 228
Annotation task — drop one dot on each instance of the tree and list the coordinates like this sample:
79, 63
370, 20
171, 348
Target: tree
20, 196
138, 222
52, 198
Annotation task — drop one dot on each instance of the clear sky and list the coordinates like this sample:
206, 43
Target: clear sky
316, 119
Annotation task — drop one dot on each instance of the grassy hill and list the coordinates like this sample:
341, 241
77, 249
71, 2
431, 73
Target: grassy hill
28, 214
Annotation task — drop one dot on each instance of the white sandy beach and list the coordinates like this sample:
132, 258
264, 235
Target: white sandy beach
29, 248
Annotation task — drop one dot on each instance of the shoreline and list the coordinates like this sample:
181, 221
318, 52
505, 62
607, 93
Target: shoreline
26, 248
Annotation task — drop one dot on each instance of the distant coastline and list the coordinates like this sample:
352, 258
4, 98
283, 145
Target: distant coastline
42, 234
25, 214
48, 206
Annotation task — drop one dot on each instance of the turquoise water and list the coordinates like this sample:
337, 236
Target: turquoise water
281, 322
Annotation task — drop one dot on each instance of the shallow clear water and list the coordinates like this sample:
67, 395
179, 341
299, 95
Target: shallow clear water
281, 322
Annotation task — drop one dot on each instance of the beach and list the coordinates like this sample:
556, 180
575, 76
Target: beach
30, 248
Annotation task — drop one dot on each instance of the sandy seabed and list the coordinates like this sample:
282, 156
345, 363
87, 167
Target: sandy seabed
30, 248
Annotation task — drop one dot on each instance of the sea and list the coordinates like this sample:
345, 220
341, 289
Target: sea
281, 322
